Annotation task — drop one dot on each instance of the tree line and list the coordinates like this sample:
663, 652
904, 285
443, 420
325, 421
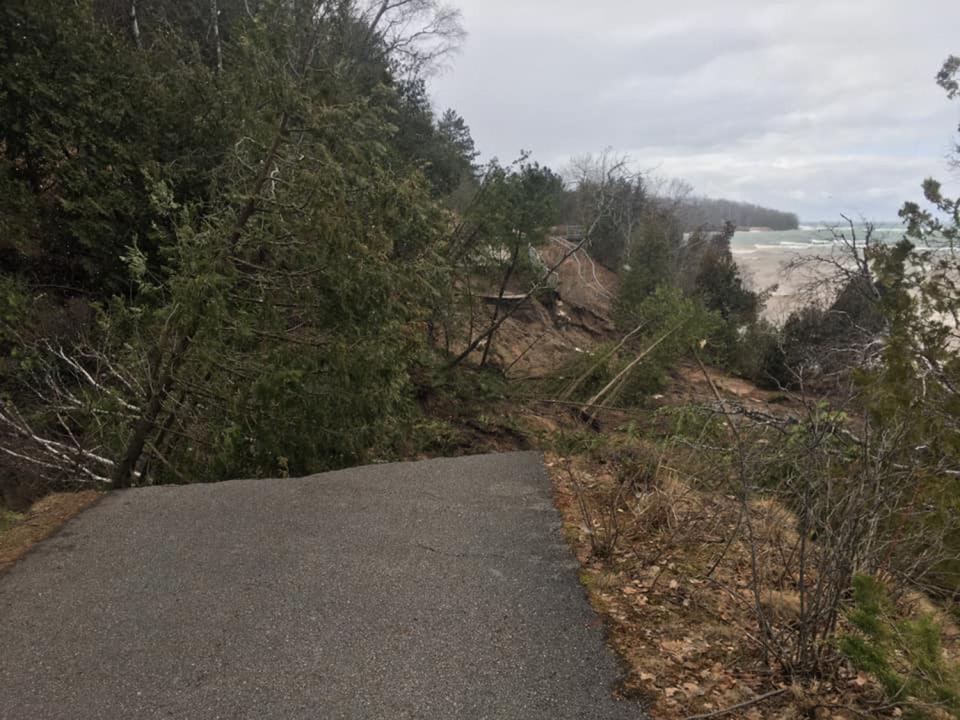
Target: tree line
706, 212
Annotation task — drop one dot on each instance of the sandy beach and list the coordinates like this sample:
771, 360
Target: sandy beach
764, 268
762, 256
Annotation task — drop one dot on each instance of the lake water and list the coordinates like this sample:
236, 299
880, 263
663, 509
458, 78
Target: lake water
762, 256
805, 237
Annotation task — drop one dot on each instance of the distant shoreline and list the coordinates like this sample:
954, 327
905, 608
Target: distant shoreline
762, 255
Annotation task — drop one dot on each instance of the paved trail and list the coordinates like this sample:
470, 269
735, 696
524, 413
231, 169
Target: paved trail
438, 589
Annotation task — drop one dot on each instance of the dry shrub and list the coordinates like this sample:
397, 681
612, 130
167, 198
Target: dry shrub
664, 505
775, 539
600, 499
638, 466
773, 524
782, 606
604, 581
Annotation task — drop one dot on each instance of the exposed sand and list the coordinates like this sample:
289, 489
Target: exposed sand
765, 267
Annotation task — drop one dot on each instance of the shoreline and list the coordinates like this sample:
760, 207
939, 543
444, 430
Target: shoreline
764, 267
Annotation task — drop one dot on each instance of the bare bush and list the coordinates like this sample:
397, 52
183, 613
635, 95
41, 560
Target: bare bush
824, 497
602, 523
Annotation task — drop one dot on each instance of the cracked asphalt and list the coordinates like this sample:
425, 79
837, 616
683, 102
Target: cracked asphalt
436, 589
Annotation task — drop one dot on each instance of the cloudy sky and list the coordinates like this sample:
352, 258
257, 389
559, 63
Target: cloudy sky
814, 107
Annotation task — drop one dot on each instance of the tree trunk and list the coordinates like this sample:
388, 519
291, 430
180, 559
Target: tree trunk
135, 25
372, 30
123, 473
215, 18
623, 373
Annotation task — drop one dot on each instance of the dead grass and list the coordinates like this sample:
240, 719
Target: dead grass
675, 594
43, 519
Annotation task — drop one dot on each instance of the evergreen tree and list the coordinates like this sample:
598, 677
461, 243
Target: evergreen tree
248, 223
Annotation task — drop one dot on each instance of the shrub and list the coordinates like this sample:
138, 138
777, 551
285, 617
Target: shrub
903, 654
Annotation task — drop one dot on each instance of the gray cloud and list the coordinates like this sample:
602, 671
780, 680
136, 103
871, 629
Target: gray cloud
815, 107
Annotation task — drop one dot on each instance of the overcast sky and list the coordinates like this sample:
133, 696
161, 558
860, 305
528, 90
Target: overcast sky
814, 107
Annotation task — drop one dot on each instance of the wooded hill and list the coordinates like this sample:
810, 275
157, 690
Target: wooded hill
706, 212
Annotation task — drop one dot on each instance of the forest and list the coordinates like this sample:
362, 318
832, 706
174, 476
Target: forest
237, 241
699, 212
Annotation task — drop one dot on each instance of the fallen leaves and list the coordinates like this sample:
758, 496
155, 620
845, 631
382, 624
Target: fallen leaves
686, 633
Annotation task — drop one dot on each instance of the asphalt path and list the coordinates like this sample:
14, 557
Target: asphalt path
435, 589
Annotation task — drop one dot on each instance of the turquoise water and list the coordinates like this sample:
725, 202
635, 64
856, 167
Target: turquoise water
806, 237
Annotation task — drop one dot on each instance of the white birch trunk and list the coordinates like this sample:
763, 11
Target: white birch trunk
215, 16
134, 24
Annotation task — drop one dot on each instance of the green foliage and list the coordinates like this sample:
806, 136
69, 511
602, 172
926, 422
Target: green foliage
258, 247
8, 519
698, 212
675, 323
353, 282
719, 284
947, 77
668, 324
817, 340
903, 654
702, 270
443, 147
514, 209
650, 263
82, 140
757, 354
468, 385
593, 368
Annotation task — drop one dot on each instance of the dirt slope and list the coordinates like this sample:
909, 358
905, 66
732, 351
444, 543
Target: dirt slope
541, 335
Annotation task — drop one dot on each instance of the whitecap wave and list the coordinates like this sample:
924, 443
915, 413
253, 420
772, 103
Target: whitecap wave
785, 245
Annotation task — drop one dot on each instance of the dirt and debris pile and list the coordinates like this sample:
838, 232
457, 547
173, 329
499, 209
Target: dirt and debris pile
571, 317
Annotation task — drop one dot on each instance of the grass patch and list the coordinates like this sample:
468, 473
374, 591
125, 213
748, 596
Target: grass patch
8, 519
